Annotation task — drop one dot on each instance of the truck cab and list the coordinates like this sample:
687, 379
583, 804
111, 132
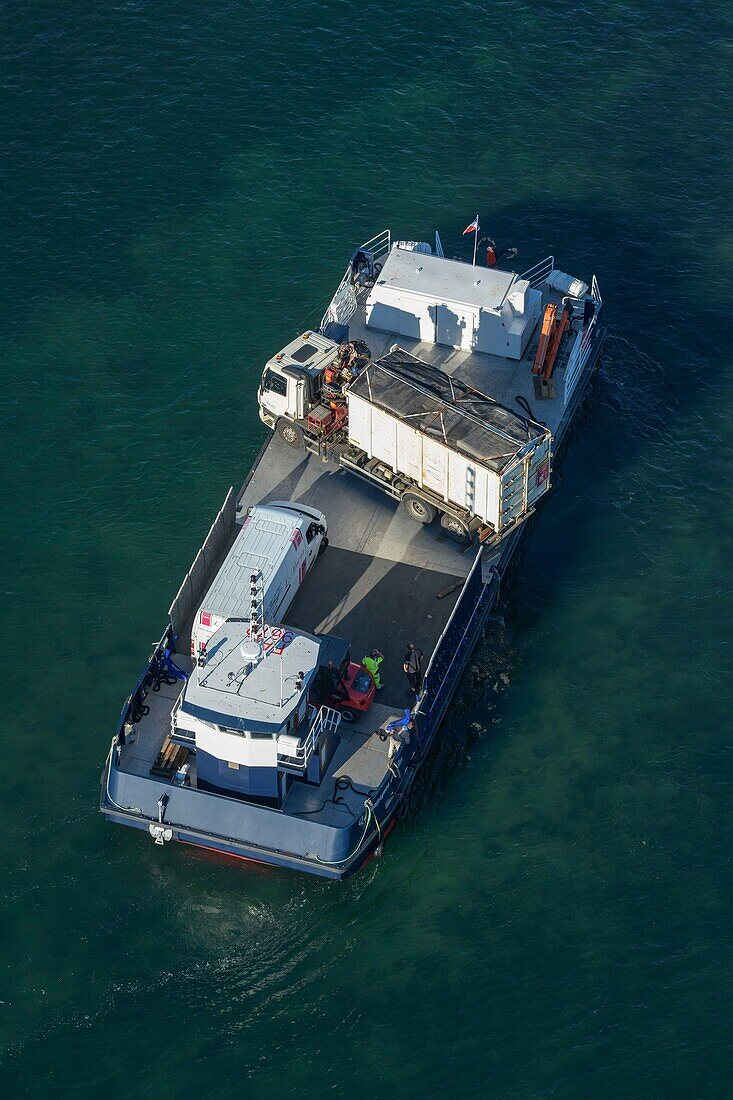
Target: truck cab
293, 379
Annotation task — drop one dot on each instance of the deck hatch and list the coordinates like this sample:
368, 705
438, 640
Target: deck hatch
304, 353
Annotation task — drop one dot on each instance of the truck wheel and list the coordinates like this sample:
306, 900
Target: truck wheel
419, 509
290, 433
324, 544
347, 715
455, 527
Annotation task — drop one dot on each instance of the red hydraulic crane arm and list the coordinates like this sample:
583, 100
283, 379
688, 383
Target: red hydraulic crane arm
548, 328
560, 329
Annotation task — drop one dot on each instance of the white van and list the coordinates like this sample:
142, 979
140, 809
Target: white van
281, 540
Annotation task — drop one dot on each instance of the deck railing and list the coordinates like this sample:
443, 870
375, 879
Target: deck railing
342, 306
584, 345
379, 245
451, 646
540, 272
325, 720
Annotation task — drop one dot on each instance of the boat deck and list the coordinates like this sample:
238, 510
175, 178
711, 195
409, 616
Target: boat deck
386, 580
140, 751
378, 582
383, 581
361, 758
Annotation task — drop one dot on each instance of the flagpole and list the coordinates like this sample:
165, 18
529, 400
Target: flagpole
475, 242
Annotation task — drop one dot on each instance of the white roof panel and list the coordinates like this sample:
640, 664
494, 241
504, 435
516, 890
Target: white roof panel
441, 279
224, 693
262, 544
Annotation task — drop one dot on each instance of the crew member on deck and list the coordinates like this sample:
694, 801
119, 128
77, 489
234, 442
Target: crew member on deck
371, 664
412, 665
402, 731
495, 255
332, 681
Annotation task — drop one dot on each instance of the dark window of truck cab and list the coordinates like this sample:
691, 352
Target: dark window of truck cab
275, 383
312, 531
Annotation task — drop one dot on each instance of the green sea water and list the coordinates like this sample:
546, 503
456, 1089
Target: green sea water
182, 186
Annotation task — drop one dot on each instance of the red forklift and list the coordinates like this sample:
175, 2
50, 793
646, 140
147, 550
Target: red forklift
342, 684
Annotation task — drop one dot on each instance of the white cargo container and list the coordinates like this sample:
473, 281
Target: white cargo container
279, 540
453, 443
440, 301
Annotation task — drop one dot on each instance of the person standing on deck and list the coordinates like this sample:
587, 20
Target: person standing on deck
332, 681
494, 255
412, 665
400, 731
371, 664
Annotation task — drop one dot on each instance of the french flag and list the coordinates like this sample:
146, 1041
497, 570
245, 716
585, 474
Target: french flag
472, 228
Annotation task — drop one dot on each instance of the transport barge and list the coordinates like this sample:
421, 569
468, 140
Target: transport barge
413, 435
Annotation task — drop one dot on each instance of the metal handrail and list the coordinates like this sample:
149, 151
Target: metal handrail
461, 640
579, 356
446, 628
378, 245
582, 348
325, 719
343, 305
539, 272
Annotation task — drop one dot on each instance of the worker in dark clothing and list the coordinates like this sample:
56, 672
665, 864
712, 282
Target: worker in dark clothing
332, 681
412, 665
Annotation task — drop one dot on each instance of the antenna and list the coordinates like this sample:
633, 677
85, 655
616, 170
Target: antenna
256, 604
